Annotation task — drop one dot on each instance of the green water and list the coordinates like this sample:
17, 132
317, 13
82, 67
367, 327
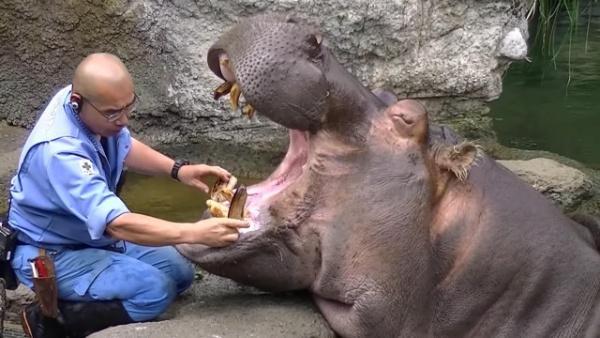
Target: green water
555, 105
165, 198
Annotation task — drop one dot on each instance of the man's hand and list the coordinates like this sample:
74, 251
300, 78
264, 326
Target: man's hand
147, 230
192, 175
215, 232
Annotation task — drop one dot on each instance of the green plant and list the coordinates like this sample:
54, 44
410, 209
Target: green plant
545, 16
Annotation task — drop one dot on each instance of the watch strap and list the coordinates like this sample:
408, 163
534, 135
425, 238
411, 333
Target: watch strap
176, 166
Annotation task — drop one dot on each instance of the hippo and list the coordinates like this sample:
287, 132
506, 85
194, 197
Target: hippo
397, 227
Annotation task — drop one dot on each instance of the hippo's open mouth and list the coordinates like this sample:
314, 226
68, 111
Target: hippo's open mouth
288, 171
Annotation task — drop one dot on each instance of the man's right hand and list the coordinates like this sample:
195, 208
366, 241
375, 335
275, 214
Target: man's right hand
216, 231
147, 230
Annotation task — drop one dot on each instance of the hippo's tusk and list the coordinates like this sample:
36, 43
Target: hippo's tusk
238, 203
222, 194
223, 89
248, 111
234, 96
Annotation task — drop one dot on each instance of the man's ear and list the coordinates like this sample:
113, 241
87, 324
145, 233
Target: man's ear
457, 159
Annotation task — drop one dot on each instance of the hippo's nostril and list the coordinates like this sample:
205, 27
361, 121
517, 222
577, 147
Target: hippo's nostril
404, 118
407, 119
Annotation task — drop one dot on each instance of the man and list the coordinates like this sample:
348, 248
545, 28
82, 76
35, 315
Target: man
112, 266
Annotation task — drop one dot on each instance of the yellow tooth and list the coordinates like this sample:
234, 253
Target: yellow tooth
223, 89
248, 111
234, 96
217, 209
232, 183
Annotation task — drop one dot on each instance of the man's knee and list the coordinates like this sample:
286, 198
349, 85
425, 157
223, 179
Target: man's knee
145, 290
153, 298
168, 260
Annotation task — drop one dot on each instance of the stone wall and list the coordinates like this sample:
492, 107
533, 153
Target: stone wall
450, 53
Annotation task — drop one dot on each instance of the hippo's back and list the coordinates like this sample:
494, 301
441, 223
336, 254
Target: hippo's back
523, 268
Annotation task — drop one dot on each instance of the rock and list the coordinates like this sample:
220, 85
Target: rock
567, 187
218, 307
16, 300
11, 143
445, 52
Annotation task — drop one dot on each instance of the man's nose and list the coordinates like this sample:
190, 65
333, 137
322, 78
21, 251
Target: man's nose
123, 120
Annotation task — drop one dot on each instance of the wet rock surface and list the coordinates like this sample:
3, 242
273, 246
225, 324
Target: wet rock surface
212, 307
565, 186
217, 307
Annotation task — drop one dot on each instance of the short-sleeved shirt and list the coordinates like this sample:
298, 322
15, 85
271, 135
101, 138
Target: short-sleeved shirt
64, 189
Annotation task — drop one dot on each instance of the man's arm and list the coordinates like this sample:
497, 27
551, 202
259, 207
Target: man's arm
147, 230
145, 160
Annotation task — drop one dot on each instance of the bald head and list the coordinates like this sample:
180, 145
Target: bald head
103, 78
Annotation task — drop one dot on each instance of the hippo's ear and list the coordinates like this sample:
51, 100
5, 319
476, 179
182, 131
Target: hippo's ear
457, 159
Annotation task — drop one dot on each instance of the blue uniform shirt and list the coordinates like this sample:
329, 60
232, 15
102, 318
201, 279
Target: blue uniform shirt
64, 189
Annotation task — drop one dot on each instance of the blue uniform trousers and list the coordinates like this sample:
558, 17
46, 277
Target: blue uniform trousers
146, 279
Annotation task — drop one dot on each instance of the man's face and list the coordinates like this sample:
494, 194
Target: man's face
107, 112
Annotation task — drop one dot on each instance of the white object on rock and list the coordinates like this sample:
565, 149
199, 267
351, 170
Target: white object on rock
514, 46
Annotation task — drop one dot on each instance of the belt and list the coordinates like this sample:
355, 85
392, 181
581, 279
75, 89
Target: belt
119, 246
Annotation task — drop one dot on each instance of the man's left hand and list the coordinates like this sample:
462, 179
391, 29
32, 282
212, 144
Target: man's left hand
193, 174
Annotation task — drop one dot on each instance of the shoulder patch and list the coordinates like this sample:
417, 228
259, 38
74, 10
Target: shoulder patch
86, 166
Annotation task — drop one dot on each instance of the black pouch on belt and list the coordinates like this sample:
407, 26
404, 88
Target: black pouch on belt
44, 284
8, 242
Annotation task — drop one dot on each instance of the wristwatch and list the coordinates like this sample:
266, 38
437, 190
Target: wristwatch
176, 166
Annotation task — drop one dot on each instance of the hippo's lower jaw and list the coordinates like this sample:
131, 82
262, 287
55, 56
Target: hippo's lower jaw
288, 171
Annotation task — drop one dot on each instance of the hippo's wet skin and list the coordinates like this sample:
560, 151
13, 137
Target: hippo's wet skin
395, 228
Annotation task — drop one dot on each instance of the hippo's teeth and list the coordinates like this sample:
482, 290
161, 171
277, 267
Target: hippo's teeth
238, 203
232, 183
222, 191
248, 111
234, 96
216, 209
223, 89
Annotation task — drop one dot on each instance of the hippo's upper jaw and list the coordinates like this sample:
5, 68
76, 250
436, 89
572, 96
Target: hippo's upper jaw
277, 65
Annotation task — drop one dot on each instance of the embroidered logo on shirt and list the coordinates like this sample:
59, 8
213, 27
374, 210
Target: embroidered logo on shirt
86, 167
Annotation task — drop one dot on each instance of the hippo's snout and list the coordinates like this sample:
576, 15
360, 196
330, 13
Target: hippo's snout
274, 66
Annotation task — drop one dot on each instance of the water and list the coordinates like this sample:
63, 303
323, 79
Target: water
165, 198
540, 108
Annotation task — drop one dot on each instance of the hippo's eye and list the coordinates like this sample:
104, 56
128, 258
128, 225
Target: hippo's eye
291, 19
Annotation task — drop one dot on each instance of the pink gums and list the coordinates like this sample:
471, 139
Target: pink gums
286, 173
